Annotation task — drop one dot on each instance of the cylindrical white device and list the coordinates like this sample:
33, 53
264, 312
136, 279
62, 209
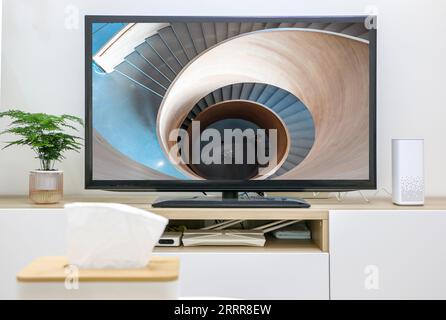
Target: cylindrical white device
408, 172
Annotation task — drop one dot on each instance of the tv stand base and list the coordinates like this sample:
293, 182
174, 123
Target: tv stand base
231, 200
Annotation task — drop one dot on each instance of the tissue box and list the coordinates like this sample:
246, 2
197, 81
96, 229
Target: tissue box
110, 235
53, 278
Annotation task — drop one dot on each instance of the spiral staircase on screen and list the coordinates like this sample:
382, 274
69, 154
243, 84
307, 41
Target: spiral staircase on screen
153, 56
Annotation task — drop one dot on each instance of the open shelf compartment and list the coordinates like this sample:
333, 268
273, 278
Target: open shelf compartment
318, 243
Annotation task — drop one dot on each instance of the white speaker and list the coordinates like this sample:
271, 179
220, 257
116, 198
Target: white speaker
408, 172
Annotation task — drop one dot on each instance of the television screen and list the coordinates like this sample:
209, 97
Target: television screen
179, 103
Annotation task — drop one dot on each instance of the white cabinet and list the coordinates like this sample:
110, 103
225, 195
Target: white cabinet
374, 254
26, 234
395, 254
263, 275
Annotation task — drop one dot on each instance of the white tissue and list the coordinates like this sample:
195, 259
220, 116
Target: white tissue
107, 235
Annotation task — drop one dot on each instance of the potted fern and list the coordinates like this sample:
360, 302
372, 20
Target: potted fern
46, 135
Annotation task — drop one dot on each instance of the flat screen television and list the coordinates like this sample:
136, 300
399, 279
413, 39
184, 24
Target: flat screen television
230, 103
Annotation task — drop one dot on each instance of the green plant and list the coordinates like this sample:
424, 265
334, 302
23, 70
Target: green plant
44, 134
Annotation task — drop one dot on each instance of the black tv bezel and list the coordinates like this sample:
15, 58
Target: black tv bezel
214, 185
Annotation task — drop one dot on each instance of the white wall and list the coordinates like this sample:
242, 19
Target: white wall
42, 69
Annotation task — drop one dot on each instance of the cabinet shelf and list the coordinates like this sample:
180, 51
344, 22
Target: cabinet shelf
272, 245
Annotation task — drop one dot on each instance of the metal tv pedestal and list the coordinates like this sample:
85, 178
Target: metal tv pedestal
231, 200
